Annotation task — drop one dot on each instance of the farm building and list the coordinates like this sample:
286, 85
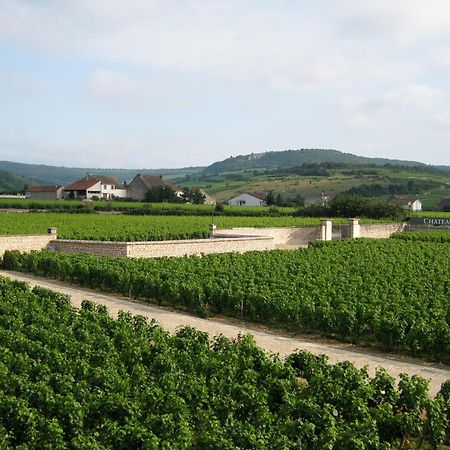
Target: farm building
101, 186
444, 204
110, 186
141, 184
45, 192
411, 203
249, 199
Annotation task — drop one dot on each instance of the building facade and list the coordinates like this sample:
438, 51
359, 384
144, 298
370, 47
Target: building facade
141, 184
247, 199
45, 192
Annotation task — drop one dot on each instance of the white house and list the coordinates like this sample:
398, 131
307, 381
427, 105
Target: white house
249, 199
110, 187
410, 203
100, 186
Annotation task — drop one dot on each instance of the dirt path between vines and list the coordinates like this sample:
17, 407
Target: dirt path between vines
273, 341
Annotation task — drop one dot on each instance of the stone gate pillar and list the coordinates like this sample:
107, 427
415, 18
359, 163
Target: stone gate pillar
326, 229
354, 229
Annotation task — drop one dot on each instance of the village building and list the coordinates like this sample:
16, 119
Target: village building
44, 192
444, 204
141, 184
411, 203
100, 187
110, 186
249, 199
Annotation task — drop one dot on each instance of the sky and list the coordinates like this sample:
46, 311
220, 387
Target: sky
177, 83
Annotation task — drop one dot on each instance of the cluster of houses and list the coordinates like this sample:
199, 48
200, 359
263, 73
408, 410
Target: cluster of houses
100, 187
411, 203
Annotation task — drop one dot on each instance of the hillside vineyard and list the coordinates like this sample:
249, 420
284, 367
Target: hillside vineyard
393, 293
82, 380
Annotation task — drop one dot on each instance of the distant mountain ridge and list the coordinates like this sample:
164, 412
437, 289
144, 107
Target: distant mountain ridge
292, 158
45, 174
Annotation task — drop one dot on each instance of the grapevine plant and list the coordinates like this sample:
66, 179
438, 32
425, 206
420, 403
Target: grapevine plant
79, 379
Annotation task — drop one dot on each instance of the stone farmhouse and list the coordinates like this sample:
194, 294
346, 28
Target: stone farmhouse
100, 186
140, 184
249, 199
45, 192
411, 203
444, 204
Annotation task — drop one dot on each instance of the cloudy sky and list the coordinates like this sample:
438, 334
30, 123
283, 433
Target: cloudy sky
172, 83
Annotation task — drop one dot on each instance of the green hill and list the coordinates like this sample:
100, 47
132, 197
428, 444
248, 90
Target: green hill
65, 175
12, 182
291, 158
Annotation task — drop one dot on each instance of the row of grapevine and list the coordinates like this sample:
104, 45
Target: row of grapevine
431, 236
83, 380
390, 292
117, 227
144, 208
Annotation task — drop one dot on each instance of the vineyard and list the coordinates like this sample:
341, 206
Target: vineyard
177, 209
135, 228
391, 293
83, 380
430, 236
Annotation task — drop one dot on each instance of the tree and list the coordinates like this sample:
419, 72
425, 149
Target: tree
270, 199
161, 194
193, 195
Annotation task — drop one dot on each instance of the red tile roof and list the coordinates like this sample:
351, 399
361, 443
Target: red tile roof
81, 185
43, 188
104, 179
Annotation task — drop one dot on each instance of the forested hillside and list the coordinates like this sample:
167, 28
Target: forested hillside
13, 183
291, 158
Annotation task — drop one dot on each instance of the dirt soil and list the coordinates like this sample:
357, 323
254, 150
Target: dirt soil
271, 340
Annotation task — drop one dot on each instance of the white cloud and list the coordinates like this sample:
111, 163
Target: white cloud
416, 96
114, 88
284, 45
442, 121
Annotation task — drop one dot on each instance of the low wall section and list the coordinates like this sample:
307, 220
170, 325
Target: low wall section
25, 243
157, 249
380, 230
286, 237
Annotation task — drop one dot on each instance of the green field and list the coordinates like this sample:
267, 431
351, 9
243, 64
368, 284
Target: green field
392, 293
226, 185
83, 380
142, 208
138, 228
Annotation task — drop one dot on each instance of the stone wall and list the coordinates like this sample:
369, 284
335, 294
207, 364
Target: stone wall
99, 248
380, 230
286, 237
199, 246
157, 249
25, 243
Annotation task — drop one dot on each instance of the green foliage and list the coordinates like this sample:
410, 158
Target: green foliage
13, 183
193, 196
79, 379
354, 206
378, 291
161, 194
424, 236
139, 228
407, 187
